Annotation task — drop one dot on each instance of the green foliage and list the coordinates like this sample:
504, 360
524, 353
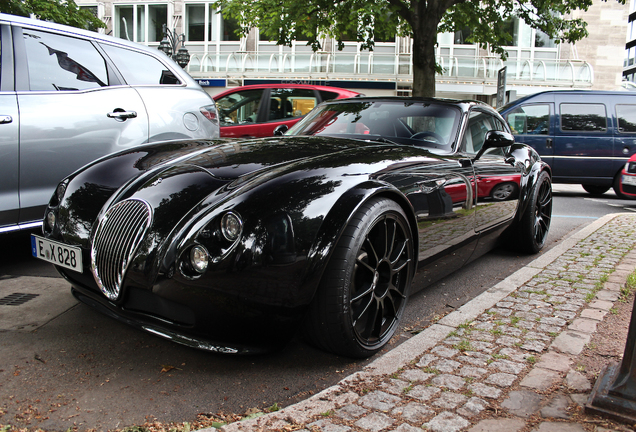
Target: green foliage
60, 11
366, 21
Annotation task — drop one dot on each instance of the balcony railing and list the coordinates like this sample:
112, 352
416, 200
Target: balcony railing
386, 67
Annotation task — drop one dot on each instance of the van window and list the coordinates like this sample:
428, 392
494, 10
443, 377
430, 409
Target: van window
583, 117
139, 68
61, 63
626, 115
530, 119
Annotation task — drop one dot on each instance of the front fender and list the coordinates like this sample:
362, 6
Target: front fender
335, 222
533, 167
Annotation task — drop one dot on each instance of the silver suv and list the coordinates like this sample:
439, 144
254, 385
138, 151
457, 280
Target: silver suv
68, 97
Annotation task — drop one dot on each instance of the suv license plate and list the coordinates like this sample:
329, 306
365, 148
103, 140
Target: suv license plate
57, 253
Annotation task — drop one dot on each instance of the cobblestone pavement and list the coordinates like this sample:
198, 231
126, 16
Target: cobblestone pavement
489, 365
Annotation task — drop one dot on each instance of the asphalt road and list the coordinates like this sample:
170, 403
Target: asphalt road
63, 365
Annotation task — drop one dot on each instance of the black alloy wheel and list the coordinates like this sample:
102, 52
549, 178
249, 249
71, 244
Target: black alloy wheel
535, 222
366, 284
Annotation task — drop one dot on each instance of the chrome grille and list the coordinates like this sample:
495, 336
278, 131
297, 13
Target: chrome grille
115, 242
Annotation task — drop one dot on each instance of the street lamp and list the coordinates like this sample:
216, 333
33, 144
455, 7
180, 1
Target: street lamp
171, 40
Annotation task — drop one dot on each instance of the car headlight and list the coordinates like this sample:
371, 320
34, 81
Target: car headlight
199, 258
231, 226
50, 220
60, 191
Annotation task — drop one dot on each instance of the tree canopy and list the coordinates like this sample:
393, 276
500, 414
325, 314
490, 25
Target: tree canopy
364, 21
60, 11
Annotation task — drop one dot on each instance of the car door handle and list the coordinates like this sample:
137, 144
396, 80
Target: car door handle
548, 143
5, 119
121, 115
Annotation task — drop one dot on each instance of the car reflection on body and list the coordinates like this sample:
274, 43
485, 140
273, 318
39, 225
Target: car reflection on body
233, 246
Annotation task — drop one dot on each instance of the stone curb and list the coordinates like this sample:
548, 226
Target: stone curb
569, 342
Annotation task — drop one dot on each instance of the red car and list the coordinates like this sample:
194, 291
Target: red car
628, 178
256, 110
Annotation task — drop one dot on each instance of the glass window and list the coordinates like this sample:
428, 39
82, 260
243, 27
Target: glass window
290, 103
462, 36
63, 63
240, 107
583, 117
229, 27
140, 23
530, 119
626, 115
157, 17
479, 124
195, 22
326, 95
94, 11
123, 26
139, 68
541, 40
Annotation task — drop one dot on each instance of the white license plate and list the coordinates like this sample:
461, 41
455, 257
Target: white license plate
629, 180
57, 253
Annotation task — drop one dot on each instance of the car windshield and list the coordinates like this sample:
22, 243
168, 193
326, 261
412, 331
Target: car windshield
426, 124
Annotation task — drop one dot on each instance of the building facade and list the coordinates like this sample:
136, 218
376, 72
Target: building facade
219, 58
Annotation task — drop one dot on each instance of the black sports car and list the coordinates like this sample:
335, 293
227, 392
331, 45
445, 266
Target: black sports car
233, 246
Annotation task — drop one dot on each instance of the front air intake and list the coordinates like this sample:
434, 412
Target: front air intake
115, 242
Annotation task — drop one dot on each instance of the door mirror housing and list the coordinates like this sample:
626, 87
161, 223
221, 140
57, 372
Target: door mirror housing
495, 139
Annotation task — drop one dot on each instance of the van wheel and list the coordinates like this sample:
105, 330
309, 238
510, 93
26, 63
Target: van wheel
595, 190
617, 188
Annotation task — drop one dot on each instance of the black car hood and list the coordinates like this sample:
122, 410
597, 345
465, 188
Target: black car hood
232, 160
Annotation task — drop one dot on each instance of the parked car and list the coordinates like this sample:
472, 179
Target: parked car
585, 136
628, 178
254, 111
232, 246
68, 97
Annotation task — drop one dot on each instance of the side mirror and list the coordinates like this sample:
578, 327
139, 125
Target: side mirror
280, 130
495, 139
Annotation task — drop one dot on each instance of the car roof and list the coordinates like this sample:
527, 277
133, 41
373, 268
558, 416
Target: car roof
47, 25
446, 101
286, 85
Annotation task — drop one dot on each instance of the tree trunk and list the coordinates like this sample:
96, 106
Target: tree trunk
424, 41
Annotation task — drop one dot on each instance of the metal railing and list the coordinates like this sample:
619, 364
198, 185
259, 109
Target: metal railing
386, 67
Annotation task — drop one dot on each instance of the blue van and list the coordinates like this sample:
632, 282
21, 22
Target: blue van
585, 136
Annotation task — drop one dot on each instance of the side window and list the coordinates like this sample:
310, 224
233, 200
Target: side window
626, 115
240, 107
583, 117
62, 63
139, 68
326, 95
479, 123
290, 103
530, 120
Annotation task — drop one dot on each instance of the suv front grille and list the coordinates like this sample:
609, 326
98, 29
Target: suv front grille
115, 242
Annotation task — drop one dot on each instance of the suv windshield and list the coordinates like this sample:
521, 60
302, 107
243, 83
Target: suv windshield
414, 123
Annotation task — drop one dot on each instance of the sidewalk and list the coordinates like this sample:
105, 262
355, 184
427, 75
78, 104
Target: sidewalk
505, 361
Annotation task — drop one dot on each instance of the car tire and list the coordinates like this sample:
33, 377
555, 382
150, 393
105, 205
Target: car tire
364, 290
535, 222
503, 191
617, 188
595, 190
